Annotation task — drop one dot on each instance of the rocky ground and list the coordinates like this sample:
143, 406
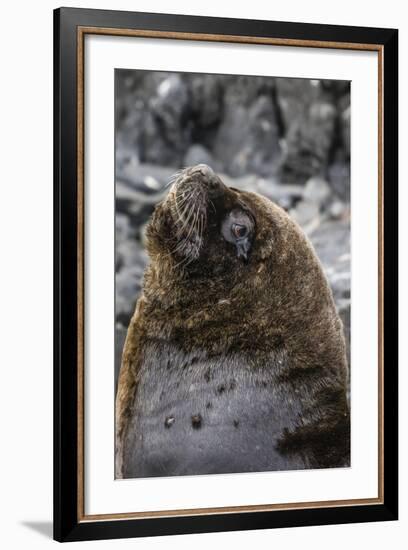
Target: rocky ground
287, 139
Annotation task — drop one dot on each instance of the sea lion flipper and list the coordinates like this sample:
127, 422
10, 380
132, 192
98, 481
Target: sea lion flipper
127, 383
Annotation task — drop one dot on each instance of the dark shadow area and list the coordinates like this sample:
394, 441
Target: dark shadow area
44, 528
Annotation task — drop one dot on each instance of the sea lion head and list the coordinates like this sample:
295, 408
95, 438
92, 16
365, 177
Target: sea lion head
227, 257
205, 225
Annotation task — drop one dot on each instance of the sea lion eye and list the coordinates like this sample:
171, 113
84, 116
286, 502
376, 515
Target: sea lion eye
238, 228
239, 231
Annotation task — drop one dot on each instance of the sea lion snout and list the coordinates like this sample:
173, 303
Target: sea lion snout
200, 179
191, 204
182, 218
204, 169
209, 180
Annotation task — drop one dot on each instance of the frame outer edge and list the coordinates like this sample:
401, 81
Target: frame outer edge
65, 280
66, 506
390, 325
56, 305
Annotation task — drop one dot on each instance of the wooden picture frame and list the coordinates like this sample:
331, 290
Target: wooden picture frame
70, 28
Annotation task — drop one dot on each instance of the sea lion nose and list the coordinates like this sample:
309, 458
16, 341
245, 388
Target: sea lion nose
209, 180
204, 169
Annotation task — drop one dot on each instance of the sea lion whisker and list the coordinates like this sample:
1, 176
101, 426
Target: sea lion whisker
184, 223
186, 220
186, 203
179, 247
192, 225
185, 198
184, 242
173, 178
198, 226
186, 260
212, 205
202, 224
180, 206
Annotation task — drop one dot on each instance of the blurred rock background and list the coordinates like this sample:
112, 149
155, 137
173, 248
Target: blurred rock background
288, 139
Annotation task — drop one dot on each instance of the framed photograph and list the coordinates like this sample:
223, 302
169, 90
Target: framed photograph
225, 274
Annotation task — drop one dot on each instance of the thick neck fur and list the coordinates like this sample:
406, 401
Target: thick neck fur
258, 305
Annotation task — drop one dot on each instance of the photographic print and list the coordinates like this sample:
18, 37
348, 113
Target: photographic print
232, 274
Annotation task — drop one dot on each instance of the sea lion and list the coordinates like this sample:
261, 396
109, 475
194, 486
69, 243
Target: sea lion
235, 358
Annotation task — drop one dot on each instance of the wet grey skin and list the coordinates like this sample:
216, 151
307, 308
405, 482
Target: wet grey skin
202, 416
